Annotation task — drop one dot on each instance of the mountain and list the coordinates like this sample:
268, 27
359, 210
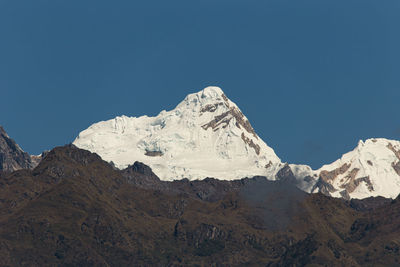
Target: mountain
74, 209
12, 157
206, 135
371, 169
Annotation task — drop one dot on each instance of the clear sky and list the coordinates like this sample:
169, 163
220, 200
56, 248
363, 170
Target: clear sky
312, 76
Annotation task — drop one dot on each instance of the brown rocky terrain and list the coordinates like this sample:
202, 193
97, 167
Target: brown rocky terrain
74, 209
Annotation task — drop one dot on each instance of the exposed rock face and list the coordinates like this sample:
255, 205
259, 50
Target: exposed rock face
286, 174
325, 188
251, 144
394, 150
153, 153
224, 119
211, 107
396, 167
395, 164
331, 175
12, 157
349, 182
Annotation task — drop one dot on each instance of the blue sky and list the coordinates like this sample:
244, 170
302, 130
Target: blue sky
312, 76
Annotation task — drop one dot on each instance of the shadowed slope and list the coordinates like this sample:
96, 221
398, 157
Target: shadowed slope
12, 157
76, 209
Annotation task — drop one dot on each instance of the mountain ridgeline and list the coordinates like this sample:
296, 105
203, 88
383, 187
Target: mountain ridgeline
207, 135
75, 209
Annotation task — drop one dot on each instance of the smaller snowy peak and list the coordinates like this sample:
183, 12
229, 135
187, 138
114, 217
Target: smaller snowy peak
370, 149
206, 135
371, 169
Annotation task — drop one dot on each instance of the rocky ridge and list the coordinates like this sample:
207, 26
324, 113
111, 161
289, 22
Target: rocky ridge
74, 209
12, 157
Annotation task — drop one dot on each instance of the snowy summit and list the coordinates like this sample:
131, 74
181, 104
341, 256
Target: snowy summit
206, 135
371, 169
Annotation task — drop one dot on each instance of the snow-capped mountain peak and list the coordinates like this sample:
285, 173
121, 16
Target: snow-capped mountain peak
371, 169
206, 135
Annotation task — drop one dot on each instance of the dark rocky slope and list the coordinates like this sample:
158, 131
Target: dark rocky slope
74, 209
12, 157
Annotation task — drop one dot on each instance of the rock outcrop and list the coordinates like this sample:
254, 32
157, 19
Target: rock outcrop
12, 157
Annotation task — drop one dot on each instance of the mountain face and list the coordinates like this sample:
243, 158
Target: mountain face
371, 169
206, 135
12, 157
74, 209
